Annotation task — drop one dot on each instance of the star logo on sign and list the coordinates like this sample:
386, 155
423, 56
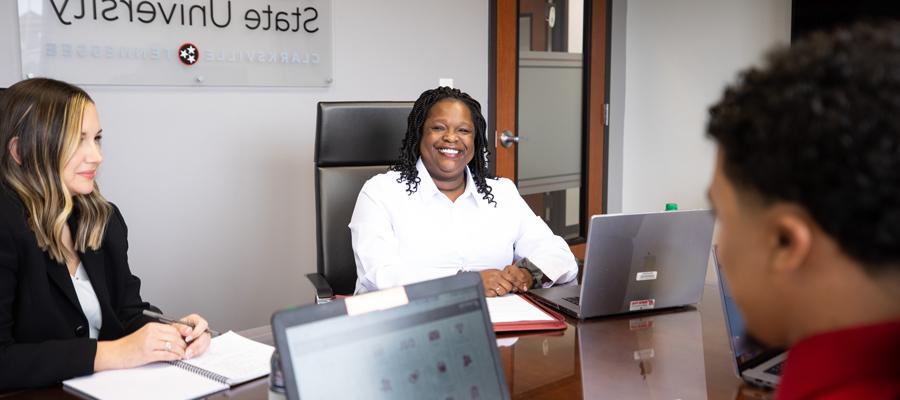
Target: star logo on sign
188, 54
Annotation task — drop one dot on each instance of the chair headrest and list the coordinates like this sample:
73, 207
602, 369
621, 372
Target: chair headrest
360, 133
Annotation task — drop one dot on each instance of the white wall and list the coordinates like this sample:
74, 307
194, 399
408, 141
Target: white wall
674, 60
216, 184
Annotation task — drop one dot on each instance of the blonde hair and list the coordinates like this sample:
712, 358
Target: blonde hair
46, 117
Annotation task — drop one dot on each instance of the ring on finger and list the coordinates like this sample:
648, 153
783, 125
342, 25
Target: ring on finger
168, 345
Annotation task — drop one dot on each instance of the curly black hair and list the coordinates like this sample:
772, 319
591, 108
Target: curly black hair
409, 151
819, 126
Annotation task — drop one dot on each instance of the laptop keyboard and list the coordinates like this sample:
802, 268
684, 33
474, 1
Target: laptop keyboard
573, 300
775, 369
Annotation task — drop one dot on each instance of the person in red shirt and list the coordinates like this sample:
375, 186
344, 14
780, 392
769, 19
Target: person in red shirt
807, 192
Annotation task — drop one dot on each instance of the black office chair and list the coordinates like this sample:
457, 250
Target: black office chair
354, 141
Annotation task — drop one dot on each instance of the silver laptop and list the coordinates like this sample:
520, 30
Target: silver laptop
638, 262
753, 362
426, 340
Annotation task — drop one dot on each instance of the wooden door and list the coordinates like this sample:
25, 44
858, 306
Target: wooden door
505, 60
506, 74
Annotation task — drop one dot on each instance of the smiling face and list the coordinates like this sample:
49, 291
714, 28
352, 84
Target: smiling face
80, 170
448, 143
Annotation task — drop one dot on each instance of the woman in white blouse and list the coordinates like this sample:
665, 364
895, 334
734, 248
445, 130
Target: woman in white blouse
437, 212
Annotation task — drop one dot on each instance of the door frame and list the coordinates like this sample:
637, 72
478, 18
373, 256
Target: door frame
503, 60
503, 98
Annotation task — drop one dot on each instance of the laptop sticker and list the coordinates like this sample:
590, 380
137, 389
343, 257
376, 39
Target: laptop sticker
374, 301
644, 354
640, 324
647, 304
646, 276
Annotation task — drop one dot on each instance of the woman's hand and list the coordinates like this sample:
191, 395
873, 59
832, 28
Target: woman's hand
521, 277
153, 342
197, 338
497, 282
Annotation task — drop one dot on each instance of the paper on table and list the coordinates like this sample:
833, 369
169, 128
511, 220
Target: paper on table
154, 381
507, 342
513, 308
235, 357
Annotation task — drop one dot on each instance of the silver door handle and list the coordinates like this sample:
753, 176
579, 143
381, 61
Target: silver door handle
508, 139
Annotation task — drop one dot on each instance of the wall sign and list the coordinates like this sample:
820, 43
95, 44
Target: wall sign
178, 42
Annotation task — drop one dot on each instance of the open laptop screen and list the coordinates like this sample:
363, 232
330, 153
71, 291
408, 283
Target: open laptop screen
746, 349
437, 346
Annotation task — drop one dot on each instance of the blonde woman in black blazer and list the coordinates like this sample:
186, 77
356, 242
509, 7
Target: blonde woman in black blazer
58, 234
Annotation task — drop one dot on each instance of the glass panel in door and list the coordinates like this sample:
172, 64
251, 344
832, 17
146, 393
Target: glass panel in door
550, 111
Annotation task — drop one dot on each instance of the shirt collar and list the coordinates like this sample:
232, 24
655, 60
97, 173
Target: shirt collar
428, 190
834, 360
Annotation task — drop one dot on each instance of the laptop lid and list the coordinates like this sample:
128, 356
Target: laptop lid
747, 351
427, 340
636, 262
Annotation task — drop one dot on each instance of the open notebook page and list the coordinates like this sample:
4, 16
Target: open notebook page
513, 308
150, 382
235, 357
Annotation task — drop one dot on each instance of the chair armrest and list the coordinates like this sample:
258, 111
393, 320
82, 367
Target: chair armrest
323, 288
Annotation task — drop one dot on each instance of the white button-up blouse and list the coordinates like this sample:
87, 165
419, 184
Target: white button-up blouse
400, 238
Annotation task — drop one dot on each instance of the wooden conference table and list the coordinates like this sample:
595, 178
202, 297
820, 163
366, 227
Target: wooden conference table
681, 354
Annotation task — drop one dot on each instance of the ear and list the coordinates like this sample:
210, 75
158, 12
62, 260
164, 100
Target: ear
793, 238
14, 149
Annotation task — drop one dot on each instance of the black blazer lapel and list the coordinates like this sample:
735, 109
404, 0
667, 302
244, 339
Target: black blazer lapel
59, 274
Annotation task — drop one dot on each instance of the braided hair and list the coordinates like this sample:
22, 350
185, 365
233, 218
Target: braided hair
409, 151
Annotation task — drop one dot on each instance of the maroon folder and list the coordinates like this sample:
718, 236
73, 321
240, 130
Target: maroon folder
558, 322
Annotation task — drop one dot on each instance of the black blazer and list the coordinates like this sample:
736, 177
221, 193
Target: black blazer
43, 332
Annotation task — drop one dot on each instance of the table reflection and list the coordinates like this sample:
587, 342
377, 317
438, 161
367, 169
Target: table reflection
678, 354
651, 356
671, 354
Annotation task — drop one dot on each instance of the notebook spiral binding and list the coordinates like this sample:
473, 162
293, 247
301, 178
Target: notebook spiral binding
200, 371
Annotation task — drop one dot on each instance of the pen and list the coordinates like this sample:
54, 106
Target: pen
170, 321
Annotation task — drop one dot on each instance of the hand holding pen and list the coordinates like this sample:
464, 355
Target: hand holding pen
184, 321
192, 328
169, 340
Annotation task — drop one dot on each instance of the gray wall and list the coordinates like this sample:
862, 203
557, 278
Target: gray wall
216, 184
670, 61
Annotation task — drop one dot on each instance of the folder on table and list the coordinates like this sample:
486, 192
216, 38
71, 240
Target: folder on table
515, 312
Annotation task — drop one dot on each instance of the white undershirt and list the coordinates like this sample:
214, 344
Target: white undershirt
90, 306
400, 238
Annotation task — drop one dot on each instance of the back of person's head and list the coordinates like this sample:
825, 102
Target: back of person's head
819, 126
409, 151
40, 131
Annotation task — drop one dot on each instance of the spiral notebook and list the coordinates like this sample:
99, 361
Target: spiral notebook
230, 360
